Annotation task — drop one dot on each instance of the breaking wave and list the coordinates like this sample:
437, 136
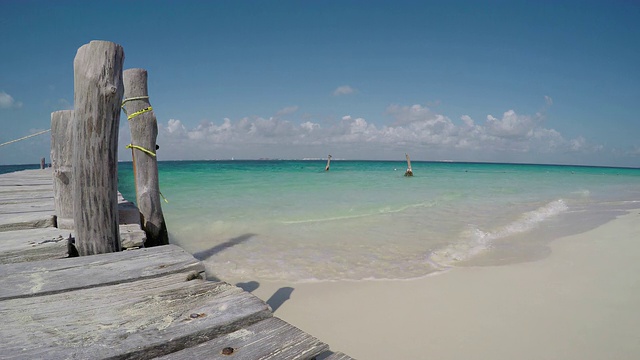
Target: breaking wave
477, 241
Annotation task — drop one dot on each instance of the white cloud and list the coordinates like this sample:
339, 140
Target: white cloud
513, 125
309, 126
175, 127
578, 143
7, 101
468, 121
510, 137
343, 90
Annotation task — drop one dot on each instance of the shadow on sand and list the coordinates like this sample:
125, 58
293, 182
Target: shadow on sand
276, 300
279, 297
205, 254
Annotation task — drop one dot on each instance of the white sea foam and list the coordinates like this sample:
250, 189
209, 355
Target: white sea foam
477, 241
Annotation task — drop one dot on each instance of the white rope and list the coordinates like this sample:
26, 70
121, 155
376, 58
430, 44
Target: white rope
26, 137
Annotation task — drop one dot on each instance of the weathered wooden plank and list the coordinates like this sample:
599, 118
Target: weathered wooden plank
27, 220
27, 177
26, 200
54, 250
53, 276
25, 206
270, 339
32, 245
24, 181
17, 191
141, 320
25, 197
98, 90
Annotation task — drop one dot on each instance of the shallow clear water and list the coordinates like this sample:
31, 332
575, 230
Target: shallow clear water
291, 220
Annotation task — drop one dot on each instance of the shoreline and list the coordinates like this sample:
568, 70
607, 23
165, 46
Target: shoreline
579, 302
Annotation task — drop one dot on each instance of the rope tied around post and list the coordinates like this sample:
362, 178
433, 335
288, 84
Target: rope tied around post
132, 99
147, 109
131, 146
147, 151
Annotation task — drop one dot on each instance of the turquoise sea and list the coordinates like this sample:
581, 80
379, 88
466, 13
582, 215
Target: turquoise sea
292, 221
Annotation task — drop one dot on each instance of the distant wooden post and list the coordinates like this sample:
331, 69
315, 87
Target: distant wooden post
61, 159
144, 131
328, 163
409, 172
42, 163
98, 92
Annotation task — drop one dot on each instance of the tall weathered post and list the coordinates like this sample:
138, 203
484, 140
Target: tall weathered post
328, 163
42, 163
61, 159
409, 172
98, 91
144, 131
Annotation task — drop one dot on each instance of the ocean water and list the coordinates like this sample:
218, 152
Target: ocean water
292, 221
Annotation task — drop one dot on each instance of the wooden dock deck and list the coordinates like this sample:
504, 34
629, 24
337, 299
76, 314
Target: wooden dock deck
136, 304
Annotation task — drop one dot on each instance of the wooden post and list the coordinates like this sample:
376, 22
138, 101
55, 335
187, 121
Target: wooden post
328, 162
61, 159
409, 172
98, 92
144, 131
42, 163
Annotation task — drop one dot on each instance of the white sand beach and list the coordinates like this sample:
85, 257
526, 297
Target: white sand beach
581, 302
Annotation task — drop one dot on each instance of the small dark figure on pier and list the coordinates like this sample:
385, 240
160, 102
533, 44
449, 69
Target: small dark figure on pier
71, 247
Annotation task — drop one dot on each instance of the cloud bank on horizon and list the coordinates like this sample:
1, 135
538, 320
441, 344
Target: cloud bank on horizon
417, 129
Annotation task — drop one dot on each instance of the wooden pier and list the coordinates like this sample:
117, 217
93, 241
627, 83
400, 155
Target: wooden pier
146, 303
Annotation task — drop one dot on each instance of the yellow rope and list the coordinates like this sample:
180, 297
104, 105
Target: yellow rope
131, 99
134, 98
26, 137
131, 146
147, 109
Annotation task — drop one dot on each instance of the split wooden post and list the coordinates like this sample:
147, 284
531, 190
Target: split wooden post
144, 132
61, 159
328, 163
409, 172
43, 163
98, 91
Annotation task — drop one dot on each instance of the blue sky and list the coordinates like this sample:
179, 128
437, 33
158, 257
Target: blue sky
504, 81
